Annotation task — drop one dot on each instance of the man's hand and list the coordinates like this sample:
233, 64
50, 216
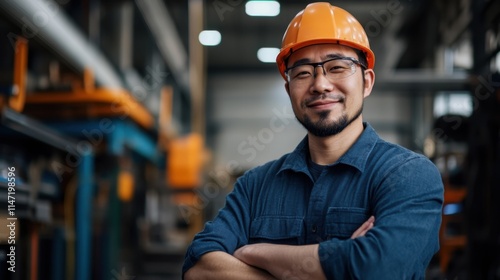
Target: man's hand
364, 228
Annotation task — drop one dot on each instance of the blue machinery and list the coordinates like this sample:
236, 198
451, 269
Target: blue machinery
64, 136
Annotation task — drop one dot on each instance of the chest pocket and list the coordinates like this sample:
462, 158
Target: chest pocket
276, 230
342, 222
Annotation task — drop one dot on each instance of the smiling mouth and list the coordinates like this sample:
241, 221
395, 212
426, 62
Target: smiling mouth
323, 104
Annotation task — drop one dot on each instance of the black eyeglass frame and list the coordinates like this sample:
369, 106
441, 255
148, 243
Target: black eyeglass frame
322, 63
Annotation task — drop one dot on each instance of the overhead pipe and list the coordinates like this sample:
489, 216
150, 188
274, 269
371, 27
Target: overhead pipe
159, 21
422, 80
46, 21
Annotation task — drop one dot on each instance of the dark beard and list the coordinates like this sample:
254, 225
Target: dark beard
323, 129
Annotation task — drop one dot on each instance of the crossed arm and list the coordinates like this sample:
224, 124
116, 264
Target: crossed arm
265, 261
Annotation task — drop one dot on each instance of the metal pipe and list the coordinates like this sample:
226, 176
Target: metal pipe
46, 21
84, 218
38, 130
197, 71
158, 18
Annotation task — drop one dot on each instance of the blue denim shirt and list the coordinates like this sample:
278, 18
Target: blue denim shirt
279, 203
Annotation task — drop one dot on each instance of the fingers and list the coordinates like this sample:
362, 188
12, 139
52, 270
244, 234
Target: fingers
364, 228
370, 226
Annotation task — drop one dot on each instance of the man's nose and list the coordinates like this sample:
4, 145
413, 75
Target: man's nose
321, 83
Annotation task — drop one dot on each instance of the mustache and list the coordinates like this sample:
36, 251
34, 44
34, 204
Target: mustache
336, 97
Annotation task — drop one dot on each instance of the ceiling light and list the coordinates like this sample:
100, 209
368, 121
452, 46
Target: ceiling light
210, 37
268, 55
262, 8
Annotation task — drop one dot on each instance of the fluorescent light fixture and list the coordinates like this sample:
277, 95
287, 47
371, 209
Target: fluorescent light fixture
262, 8
210, 37
268, 55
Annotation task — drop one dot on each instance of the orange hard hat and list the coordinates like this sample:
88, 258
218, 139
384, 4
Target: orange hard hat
321, 23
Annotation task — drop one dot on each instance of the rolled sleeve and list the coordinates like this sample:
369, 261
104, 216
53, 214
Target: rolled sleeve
227, 232
407, 209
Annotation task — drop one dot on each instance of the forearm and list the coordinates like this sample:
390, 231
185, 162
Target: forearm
220, 265
283, 261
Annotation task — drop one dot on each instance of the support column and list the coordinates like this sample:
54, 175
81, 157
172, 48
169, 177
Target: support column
197, 67
84, 217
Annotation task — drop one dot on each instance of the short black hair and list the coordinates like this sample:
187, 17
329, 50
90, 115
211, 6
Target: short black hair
362, 58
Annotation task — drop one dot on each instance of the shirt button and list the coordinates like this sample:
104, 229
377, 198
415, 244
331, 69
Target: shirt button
314, 228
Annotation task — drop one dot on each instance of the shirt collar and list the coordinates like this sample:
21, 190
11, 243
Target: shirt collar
297, 160
356, 156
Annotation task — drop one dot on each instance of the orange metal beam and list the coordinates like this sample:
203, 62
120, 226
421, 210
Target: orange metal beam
16, 101
118, 102
35, 241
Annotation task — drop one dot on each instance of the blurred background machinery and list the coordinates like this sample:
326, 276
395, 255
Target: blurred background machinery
128, 121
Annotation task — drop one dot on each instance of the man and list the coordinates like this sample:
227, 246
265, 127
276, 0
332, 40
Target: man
344, 204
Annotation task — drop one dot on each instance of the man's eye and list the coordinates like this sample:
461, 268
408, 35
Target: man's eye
336, 68
301, 73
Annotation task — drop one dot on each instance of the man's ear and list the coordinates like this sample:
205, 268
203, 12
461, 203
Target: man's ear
287, 88
369, 76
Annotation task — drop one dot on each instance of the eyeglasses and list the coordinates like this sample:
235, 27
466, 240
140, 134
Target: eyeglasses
334, 69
